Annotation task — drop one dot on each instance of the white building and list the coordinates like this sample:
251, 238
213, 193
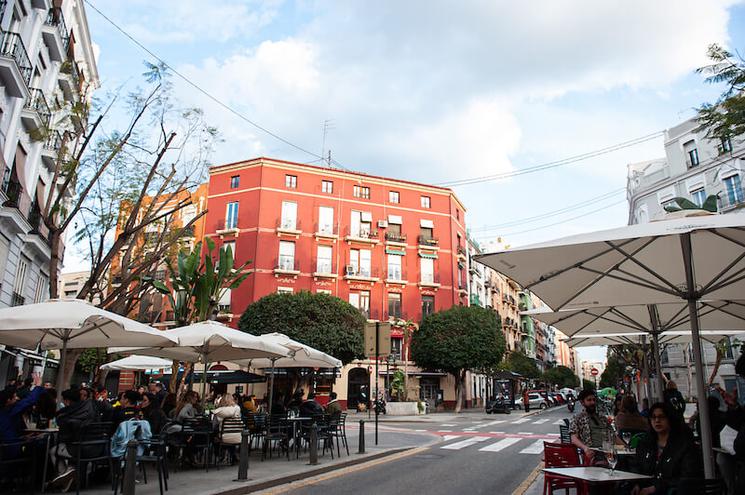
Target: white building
46, 66
694, 167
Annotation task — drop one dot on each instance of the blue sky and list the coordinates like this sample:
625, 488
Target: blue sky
432, 92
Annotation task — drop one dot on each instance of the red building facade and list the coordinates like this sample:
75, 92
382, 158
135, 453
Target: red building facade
392, 248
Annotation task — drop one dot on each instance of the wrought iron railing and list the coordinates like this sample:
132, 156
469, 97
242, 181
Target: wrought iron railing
38, 103
55, 18
426, 240
12, 46
395, 237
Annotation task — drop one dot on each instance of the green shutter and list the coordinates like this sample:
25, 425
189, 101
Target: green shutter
399, 252
432, 256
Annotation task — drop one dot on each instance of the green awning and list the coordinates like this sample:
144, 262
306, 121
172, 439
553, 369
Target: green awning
399, 252
432, 256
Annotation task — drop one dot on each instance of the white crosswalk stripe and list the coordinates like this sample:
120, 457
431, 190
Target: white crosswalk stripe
520, 421
500, 445
492, 423
450, 437
534, 448
540, 421
464, 443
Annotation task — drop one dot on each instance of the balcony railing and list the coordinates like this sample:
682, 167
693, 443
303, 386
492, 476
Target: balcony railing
12, 46
329, 229
363, 234
395, 237
54, 141
12, 189
291, 224
461, 250
38, 103
363, 272
17, 300
396, 274
325, 267
426, 240
729, 200
286, 264
55, 18
430, 278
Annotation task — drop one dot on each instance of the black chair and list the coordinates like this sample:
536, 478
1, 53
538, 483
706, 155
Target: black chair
256, 424
564, 434
696, 486
323, 436
198, 433
18, 463
94, 448
232, 427
277, 432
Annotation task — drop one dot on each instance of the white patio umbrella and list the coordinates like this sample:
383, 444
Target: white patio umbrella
639, 338
135, 362
72, 324
686, 259
302, 356
210, 341
653, 319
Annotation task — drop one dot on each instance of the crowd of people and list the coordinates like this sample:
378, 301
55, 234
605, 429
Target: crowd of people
666, 447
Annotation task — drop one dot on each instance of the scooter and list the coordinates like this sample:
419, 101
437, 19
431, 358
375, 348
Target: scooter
379, 405
570, 404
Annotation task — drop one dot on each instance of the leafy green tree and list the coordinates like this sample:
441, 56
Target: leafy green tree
613, 372
518, 362
725, 118
456, 340
560, 376
588, 384
322, 321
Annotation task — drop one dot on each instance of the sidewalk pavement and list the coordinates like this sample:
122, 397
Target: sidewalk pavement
278, 470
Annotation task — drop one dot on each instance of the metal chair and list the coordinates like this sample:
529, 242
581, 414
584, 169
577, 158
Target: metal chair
18, 461
277, 432
93, 448
564, 434
199, 436
558, 455
229, 426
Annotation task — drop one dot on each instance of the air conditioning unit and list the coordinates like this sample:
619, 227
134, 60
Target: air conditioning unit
349, 269
383, 224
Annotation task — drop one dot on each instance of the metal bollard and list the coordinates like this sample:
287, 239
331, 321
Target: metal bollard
130, 468
243, 460
361, 449
313, 445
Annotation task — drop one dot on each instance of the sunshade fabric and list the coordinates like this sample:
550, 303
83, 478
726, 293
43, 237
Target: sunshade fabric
304, 356
399, 252
596, 269
675, 337
432, 256
427, 224
395, 219
79, 323
135, 362
713, 315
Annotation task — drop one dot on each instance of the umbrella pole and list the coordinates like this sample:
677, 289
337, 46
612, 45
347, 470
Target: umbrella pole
204, 381
660, 382
271, 388
61, 368
703, 404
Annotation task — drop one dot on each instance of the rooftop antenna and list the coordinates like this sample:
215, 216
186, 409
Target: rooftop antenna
328, 125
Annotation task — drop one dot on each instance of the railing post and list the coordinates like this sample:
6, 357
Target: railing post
361, 448
243, 460
313, 445
130, 466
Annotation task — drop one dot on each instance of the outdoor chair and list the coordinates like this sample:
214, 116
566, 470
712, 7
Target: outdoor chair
340, 431
18, 464
257, 428
198, 437
560, 455
697, 486
94, 448
277, 433
324, 438
153, 452
564, 434
232, 427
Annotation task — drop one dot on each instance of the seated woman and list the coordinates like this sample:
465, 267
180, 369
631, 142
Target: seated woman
629, 418
667, 452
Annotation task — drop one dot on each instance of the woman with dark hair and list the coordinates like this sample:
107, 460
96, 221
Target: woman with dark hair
152, 413
169, 404
666, 453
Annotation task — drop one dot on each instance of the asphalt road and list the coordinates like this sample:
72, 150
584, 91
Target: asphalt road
479, 453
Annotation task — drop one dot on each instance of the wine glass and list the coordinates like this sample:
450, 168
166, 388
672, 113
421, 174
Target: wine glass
612, 458
626, 437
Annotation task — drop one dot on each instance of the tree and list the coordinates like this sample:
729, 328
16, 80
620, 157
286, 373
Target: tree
588, 384
322, 321
561, 376
725, 118
456, 340
613, 372
518, 362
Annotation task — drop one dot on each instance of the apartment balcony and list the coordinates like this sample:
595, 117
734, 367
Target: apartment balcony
370, 314
224, 313
461, 252
362, 236
730, 201
475, 300
522, 306
430, 281
352, 272
395, 238
38, 237
17, 300
286, 266
326, 231
325, 270
56, 35
226, 230
36, 113
396, 277
51, 149
428, 242
289, 226
70, 80
15, 66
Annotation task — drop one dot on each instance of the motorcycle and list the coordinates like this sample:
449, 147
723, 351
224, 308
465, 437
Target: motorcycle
379, 405
570, 404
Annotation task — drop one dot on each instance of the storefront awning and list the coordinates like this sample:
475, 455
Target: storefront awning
432, 256
399, 252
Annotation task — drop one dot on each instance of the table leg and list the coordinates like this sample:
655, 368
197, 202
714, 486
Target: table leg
46, 465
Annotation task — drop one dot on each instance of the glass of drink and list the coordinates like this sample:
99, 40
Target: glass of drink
612, 458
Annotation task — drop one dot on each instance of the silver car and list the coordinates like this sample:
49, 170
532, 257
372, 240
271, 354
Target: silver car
537, 400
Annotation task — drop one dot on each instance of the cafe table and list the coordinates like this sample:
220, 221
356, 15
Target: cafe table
295, 420
596, 475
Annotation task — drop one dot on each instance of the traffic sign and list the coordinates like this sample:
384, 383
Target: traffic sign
594, 372
384, 339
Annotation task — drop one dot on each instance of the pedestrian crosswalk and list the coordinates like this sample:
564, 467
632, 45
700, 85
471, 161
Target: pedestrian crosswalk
534, 448
500, 445
529, 445
464, 443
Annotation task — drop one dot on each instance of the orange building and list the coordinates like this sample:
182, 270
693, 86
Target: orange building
390, 247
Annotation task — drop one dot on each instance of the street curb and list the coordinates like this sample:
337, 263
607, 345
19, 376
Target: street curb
523, 487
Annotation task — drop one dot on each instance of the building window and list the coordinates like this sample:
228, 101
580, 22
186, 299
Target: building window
426, 233
427, 268
698, 196
360, 262
394, 305
323, 291
361, 301
457, 214
361, 192
393, 197
286, 255
693, 157
323, 259
726, 145
361, 224
428, 305
289, 215
291, 181
325, 219
394, 267
19, 283
223, 305
235, 181
231, 216
396, 347
733, 186
285, 290
42, 288
327, 186
426, 202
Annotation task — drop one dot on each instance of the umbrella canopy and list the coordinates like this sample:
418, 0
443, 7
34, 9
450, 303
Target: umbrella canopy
686, 259
676, 337
68, 324
303, 356
135, 362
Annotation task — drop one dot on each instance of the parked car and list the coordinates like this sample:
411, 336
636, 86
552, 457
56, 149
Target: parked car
498, 405
535, 399
558, 398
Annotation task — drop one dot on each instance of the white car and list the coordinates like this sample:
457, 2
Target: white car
537, 400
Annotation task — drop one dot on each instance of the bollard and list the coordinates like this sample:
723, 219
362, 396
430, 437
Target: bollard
243, 461
313, 445
130, 468
361, 449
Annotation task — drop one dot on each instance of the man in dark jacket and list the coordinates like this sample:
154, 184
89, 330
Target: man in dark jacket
310, 407
12, 408
128, 408
75, 416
